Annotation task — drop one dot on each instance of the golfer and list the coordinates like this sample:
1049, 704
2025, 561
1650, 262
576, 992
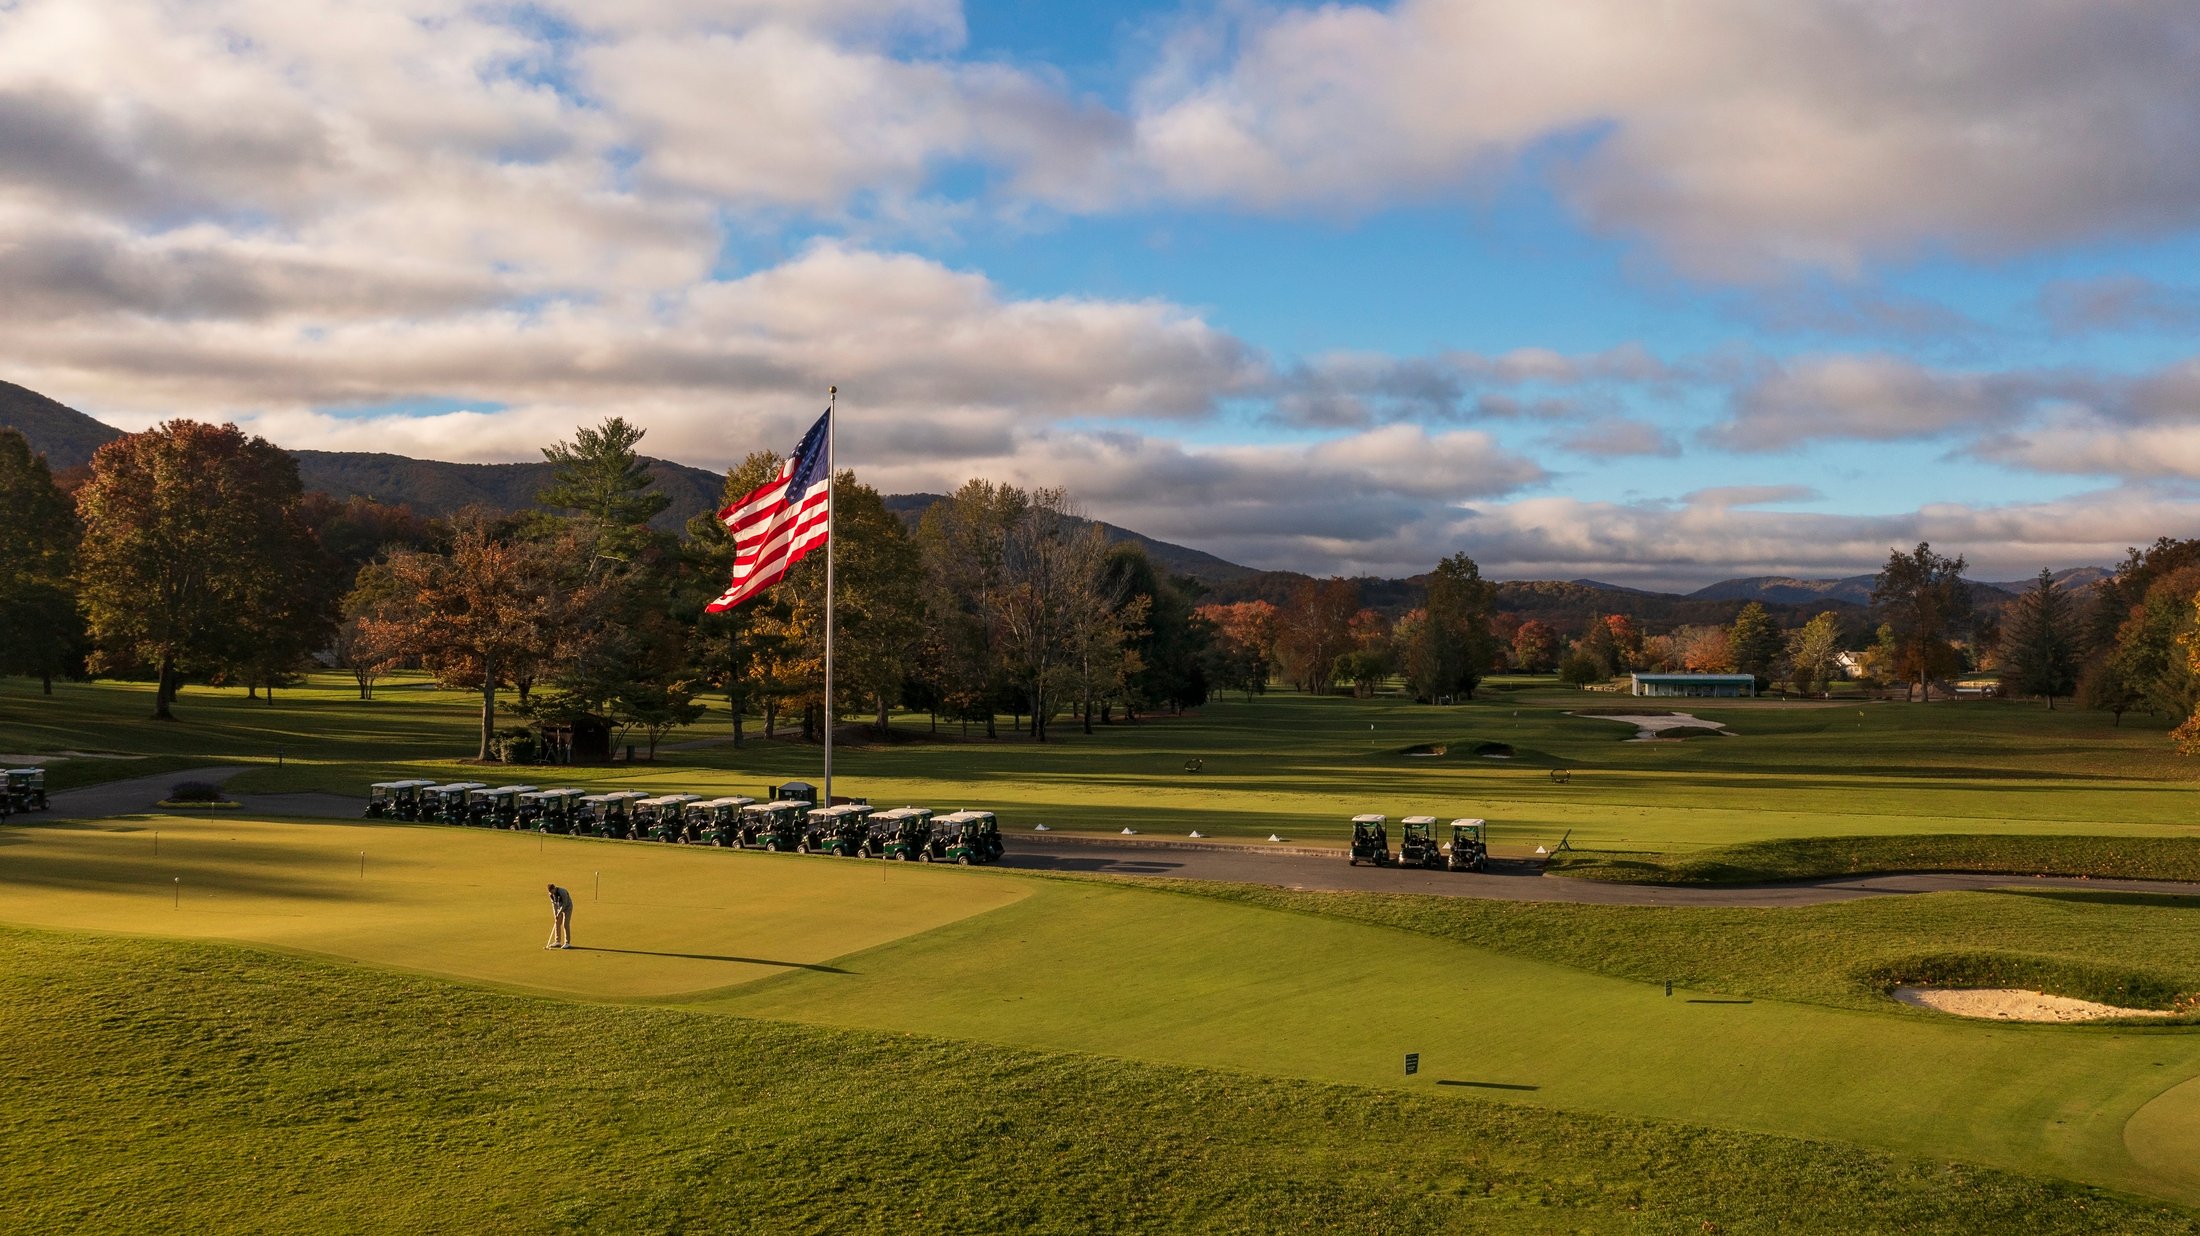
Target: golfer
561, 918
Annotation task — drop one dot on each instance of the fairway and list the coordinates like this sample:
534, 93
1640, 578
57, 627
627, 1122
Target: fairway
649, 923
1131, 973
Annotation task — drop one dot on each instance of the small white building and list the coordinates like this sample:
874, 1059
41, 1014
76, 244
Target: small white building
1716, 686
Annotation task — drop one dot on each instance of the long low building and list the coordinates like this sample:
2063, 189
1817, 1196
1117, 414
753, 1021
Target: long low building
1720, 686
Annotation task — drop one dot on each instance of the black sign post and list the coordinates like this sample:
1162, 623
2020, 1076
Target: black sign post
1413, 1063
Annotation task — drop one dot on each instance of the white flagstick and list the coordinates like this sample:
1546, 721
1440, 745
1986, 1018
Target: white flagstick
832, 398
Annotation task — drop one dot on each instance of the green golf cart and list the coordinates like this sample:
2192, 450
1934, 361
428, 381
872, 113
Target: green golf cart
609, 815
900, 834
1469, 848
715, 821
838, 829
1370, 840
495, 808
24, 789
663, 818
964, 838
395, 800
551, 811
1419, 847
776, 826
447, 804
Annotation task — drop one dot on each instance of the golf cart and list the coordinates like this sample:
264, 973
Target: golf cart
609, 815
1470, 850
898, 834
963, 838
715, 821
550, 811
1419, 848
25, 790
835, 830
1370, 840
392, 800
776, 825
446, 804
663, 818
497, 808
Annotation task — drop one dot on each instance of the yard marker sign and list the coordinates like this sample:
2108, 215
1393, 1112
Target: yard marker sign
1413, 1063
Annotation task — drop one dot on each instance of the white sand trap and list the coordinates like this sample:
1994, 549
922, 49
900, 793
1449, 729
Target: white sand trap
1650, 727
2011, 1004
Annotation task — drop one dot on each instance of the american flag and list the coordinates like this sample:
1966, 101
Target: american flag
781, 521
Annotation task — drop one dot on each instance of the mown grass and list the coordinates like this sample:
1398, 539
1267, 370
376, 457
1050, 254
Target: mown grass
2134, 950
1813, 858
171, 1086
1286, 764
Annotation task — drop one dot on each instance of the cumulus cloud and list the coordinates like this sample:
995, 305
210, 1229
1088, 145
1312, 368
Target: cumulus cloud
1617, 437
1741, 138
2117, 303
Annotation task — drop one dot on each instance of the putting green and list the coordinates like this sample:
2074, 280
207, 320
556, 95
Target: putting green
650, 922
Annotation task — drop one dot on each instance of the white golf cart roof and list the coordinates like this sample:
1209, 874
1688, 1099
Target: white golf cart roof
842, 810
1418, 819
560, 792
26, 772
735, 801
962, 817
1370, 819
379, 785
781, 804
457, 787
1476, 823
905, 813
617, 796
507, 789
670, 800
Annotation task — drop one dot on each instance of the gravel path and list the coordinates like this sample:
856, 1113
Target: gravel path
1278, 866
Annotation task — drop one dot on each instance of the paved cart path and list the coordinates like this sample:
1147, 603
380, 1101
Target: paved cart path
1326, 871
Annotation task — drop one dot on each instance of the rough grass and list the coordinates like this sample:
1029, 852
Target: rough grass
174, 1086
1813, 858
2131, 949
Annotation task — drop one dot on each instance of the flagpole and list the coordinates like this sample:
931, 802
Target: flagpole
832, 398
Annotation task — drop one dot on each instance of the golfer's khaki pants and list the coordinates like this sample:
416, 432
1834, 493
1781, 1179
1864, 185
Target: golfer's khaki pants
561, 926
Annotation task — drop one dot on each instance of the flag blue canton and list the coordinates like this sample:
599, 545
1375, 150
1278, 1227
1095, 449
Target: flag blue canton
808, 463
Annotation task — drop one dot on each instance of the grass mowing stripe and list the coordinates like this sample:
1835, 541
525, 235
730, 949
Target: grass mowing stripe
168, 1085
1810, 858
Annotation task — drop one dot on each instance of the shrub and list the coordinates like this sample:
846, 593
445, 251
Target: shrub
195, 792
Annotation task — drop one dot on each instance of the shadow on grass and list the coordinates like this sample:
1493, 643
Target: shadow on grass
747, 961
1486, 1085
1693, 1000
1089, 866
2106, 897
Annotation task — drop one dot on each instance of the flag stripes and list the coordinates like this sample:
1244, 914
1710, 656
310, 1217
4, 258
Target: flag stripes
779, 522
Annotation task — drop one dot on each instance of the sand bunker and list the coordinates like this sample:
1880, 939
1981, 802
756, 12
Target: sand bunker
2011, 1004
1648, 727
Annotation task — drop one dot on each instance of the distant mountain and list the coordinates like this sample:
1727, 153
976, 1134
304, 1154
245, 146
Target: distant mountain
66, 436
1786, 590
1175, 559
433, 487
2071, 579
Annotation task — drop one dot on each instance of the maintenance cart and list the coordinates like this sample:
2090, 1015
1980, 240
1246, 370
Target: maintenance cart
900, 834
776, 826
1470, 850
395, 800
715, 821
835, 830
963, 838
1370, 840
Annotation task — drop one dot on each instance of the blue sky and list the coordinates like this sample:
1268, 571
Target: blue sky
1658, 294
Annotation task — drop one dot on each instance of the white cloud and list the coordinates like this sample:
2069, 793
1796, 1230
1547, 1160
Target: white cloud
1741, 137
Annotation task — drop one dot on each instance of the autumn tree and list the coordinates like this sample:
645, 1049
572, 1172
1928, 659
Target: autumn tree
729, 651
964, 543
1921, 596
1245, 642
1704, 649
1315, 629
192, 549
41, 634
1535, 647
877, 606
493, 602
1627, 640
1451, 648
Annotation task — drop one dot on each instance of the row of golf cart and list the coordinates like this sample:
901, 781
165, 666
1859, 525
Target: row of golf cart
785, 823
1468, 849
22, 789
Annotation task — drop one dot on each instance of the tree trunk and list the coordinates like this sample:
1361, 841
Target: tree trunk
165, 693
881, 716
992, 726
488, 705
734, 706
45, 681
